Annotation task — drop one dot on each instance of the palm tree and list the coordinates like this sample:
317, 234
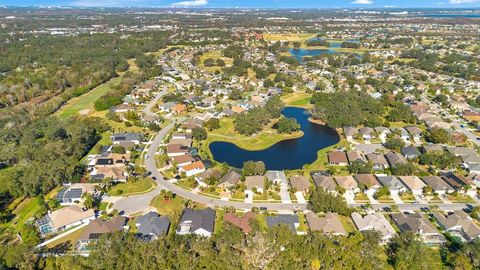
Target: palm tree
167, 196
88, 201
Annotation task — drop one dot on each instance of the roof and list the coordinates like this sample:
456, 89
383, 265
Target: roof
68, 215
395, 158
375, 221
243, 222
436, 183
127, 136
391, 182
286, 219
410, 151
277, 176
176, 148
194, 166
412, 182
198, 219
324, 181
347, 182
368, 180
152, 224
413, 130
254, 181
355, 156
183, 159
99, 226
350, 131
455, 180
330, 223
459, 219
337, 157
299, 182
231, 177
211, 173
415, 223
377, 159
461, 151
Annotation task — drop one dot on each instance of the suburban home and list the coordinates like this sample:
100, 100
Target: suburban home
167, 107
392, 183
324, 181
395, 159
379, 162
255, 183
127, 137
356, 156
64, 218
209, 174
382, 131
437, 184
277, 177
151, 225
460, 183
183, 160
366, 133
72, 194
376, 222
291, 221
415, 132
199, 222
348, 183
338, 158
419, 225
179, 108
174, 150
97, 228
242, 222
230, 179
184, 142
117, 174
329, 224
193, 168
471, 116
300, 183
413, 183
458, 223
369, 181
410, 152
349, 133
430, 148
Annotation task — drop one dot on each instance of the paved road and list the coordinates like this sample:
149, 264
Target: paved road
148, 108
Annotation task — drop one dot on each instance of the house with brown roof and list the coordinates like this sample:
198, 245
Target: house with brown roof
460, 183
337, 158
300, 183
348, 183
324, 181
329, 224
183, 160
243, 222
395, 159
255, 182
64, 218
179, 108
369, 181
209, 174
437, 184
413, 183
97, 228
356, 156
193, 168
174, 150
379, 162
230, 179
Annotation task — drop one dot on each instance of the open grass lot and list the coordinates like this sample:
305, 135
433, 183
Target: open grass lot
85, 102
288, 37
298, 99
214, 55
132, 188
172, 209
66, 243
262, 140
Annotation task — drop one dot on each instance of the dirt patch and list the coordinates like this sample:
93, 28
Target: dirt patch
84, 112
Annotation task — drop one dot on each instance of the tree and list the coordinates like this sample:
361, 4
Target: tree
88, 200
360, 167
395, 144
323, 201
235, 94
199, 134
439, 135
118, 149
404, 169
287, 125
406, 252
212, 124
253, 168
381, 192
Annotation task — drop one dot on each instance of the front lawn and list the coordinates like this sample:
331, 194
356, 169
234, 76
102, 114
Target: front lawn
460, 198
347, 224
172, 209
362, 197
132, 188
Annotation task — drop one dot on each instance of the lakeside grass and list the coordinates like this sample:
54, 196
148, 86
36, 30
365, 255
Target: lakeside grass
132, 188
298, 99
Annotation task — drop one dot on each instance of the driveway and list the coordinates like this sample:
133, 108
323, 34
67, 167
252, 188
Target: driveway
300, 197
396, 198
284, 194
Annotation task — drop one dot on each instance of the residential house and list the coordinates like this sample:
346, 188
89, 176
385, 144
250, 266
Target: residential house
459, 224
415, 132
369, 181
193, 168
210, 174
349, 133
437, 184
324, 181
413, 183
167, 107
174, 150
300, 183
277, 177
98, 227
243, 222
348, 183
338, 158
329, 224
199, 222
151, 225
376, 222
179, 108
366, 133
126, 138
64, 218
392, 183
431, 148
291, 221
255, 183
230, 179
355, 156
419, 225
410, 152
395, 159
460, 183
72, 194
379, 162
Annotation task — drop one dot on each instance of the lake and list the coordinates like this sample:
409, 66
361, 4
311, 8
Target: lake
285, 155
300, 53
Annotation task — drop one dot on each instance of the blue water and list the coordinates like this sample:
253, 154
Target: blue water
285, 155
454, 15
300, 53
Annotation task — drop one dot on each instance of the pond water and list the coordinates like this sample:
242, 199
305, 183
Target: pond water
300, 53
285, 155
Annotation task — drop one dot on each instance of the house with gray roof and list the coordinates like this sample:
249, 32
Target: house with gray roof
127, 137
378, 160
324, 181
392, 183
366, 133
277, 177
199, 222
291, 221
300, 183
151, 225
350, 132
395, 159
437, 184
230, 179
429, 148
374, 222
420, 225
410, 152
458, 224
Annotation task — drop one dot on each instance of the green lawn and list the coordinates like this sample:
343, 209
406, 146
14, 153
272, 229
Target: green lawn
66, 243
23, 212
460, 198
297, 99
132, 188
218, 221
303, 227
347, 224
86, 101
172, 209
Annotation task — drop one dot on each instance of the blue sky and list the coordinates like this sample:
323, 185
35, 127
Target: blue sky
251, 3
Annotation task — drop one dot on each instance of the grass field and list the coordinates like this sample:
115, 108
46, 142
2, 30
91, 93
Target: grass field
66, 243
288, 37
298, 99
132, 188
263, 140
172, 209
214, 55
347, 223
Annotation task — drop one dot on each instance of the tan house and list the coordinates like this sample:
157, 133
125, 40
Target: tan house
329, 224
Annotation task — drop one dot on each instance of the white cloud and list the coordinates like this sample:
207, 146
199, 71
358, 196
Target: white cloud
192, 3
107, 3
463, 1
362, 2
